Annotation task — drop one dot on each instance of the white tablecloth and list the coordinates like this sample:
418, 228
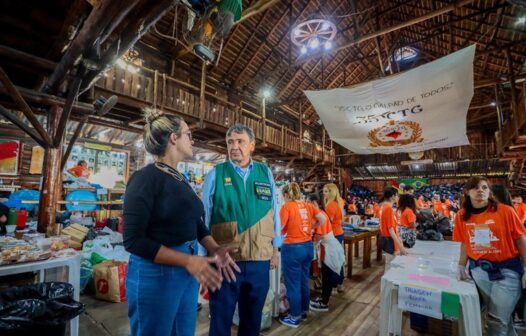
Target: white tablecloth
435, 259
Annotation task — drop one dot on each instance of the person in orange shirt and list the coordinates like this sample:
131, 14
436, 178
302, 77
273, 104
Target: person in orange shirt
80, 170
406, 211
389, 239
420, 202
332, 258
369, 210
351, 208
520, 208
445, 207
376, 210
297, 251
437, 205
493, 240
334, 209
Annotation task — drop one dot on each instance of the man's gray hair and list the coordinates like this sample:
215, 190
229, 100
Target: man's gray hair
240, 129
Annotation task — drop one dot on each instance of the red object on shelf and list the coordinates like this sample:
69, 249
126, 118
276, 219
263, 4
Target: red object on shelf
119, 225
21, 219
100, 224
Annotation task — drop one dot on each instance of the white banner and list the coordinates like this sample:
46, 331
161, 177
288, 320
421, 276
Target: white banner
420, 109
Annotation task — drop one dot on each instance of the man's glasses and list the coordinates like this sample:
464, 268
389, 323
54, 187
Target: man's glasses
189, 134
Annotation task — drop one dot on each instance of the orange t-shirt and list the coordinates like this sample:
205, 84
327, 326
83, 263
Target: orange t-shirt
420, 203
490, 235
521, 211
388, 220
445, 209
296, 221
376, 210
351, 207
407, 218
335, 215
80, 171
437, 207
326, 227
369, 210
323, 230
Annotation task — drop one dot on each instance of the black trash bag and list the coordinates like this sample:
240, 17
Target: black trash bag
43, 308
444, 226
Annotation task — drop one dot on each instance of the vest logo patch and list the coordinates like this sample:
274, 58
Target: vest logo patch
263, 191
228, 181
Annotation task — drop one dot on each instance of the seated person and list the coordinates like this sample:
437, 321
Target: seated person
81, 170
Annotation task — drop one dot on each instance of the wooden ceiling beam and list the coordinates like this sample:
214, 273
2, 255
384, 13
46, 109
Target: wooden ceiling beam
134, 31
73, 20
255, 9
236, 82
14, 119
387, 30
99, 18
24, 107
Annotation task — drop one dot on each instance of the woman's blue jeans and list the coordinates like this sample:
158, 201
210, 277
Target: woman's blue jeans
162, 299
295, 261
500, 298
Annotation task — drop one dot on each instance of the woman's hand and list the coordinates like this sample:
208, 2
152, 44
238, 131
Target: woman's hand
225, 263
274, 261
204, 273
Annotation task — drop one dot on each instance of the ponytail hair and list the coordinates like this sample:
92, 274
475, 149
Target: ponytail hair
292, 191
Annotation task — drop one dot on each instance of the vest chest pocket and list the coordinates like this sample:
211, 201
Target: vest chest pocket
263, 191
224, 233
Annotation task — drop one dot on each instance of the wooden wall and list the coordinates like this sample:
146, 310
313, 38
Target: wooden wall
32, 181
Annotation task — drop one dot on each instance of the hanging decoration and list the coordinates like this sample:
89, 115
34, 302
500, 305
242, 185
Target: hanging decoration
313, 34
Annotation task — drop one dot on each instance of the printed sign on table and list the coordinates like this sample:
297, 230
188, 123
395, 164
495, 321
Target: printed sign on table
420, 300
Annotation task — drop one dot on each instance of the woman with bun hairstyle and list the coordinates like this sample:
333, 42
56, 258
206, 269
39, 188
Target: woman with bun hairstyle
493, 247
297, 218
163, 221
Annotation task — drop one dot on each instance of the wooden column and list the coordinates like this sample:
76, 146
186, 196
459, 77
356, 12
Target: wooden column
51, 180
497, 107
264, 121
301, 131
513, 92
202, 98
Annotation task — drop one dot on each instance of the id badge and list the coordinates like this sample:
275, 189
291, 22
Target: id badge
263, 191
482, 236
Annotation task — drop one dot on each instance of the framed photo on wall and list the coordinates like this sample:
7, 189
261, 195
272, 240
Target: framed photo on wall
9, 156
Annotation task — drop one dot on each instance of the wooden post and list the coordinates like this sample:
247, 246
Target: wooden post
72, 96
155, 88
52, 176
301, 131
497, 106
202, 98
264, 121
283, 130
323, 144
514, 112
72, 141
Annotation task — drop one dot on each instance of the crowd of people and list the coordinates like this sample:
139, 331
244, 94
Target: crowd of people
244, 229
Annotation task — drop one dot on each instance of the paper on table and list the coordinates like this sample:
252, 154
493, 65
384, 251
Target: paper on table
430, 279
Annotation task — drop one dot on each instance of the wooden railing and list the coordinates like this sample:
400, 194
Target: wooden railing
165, 92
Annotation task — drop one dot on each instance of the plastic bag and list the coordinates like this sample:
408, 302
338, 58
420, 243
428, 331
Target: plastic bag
27, 308
266, 318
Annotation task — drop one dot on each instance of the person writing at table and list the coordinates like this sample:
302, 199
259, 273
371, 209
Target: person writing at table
163, 221
81, 170
389, 238
493, 242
